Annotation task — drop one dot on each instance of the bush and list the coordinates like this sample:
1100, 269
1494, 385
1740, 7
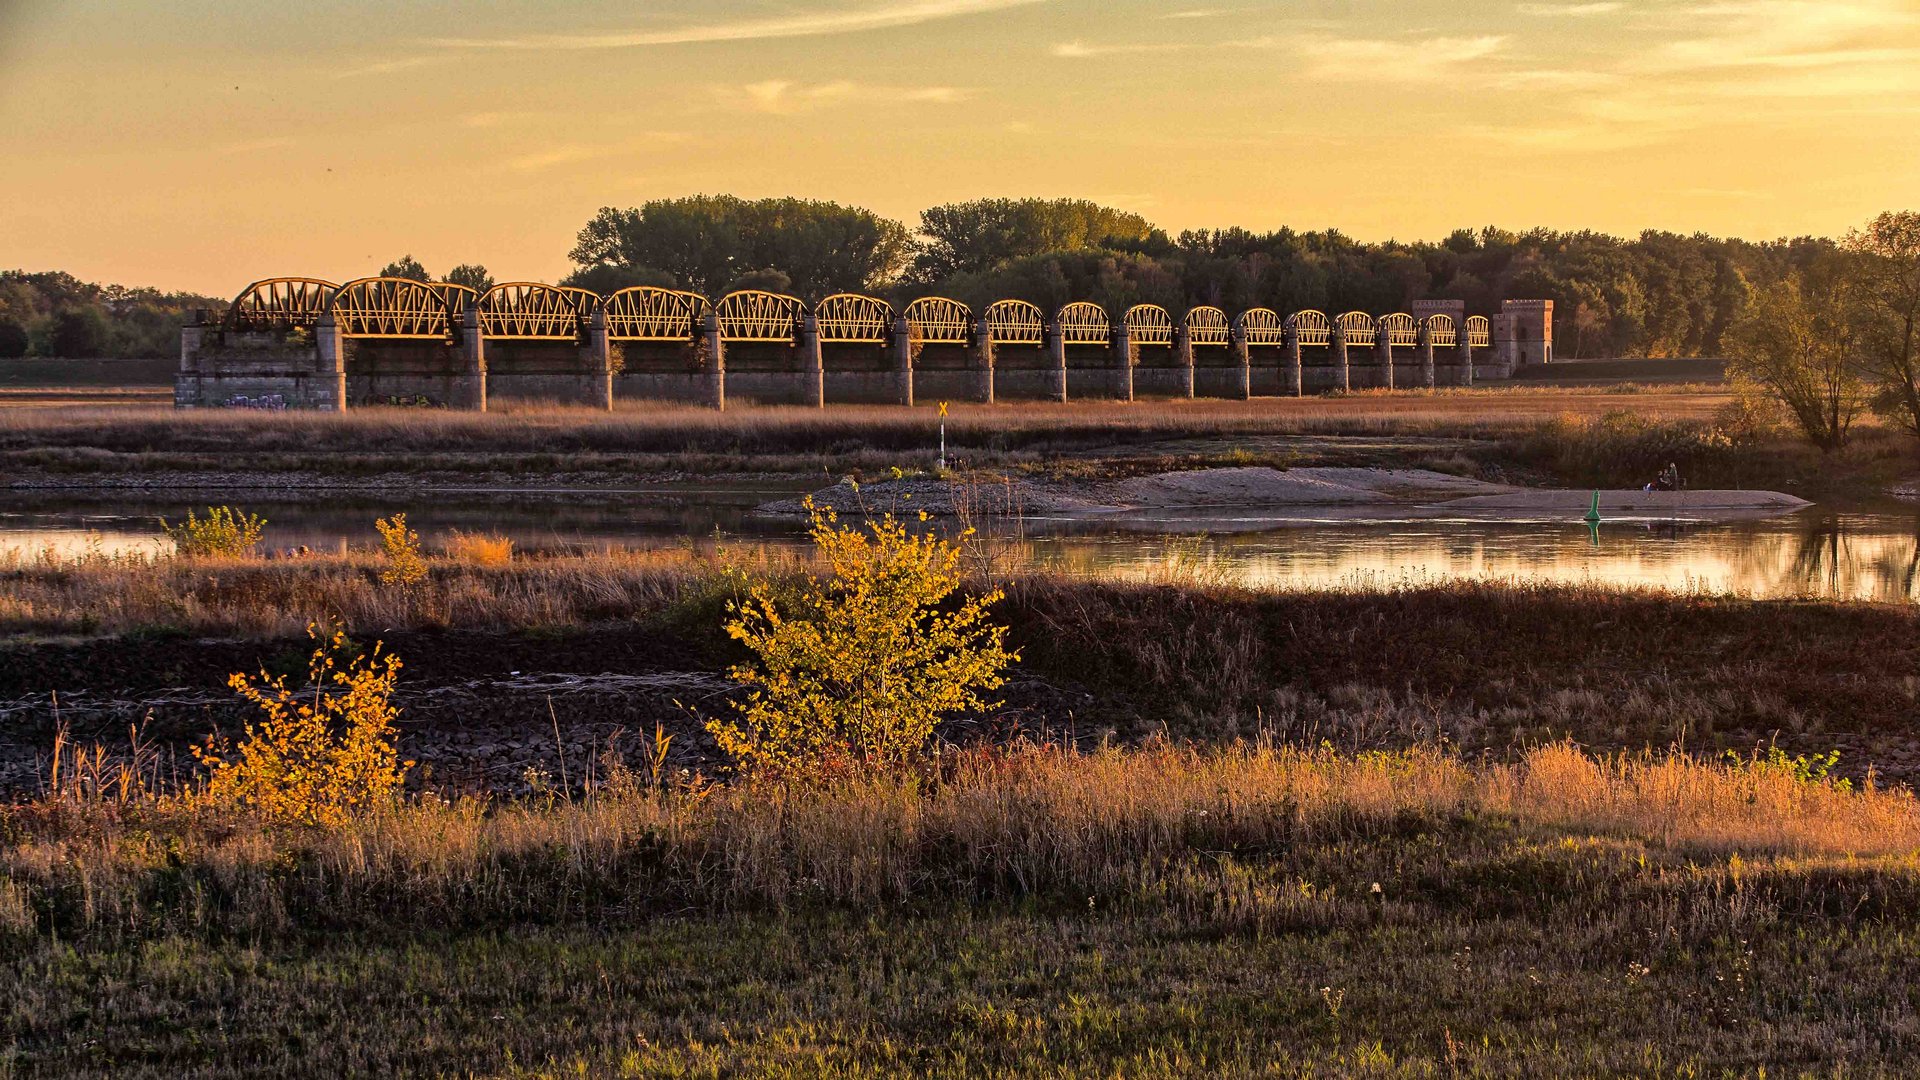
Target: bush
225, 531
405, 565
480, 549
323, 761
854, 670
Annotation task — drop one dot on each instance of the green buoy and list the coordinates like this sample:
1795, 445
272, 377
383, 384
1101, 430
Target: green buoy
1593, 512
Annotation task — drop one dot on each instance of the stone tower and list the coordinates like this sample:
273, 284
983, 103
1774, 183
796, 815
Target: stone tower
1523, 333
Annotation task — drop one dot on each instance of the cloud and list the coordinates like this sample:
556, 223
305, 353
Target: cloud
1395, 60
1080, 50
814, 24
1575, 11
574, 153
787, 97
388, 67
1195, 13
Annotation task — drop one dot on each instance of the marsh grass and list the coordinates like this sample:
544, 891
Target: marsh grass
1157, 825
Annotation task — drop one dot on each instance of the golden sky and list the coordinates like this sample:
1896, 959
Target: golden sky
200, 144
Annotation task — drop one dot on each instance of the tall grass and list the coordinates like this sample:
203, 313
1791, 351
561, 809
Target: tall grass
1028, 822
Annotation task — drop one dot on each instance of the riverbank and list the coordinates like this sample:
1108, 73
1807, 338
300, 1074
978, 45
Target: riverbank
544, 661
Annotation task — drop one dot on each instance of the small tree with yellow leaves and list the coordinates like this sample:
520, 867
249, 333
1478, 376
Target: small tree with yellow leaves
322, 756
406, 567
855, 668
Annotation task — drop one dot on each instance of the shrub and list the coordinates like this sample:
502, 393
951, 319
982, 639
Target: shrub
325, 760
405, 565
481, 549
225, 531
854, 670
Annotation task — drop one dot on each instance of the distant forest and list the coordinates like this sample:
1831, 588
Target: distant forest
1658, 295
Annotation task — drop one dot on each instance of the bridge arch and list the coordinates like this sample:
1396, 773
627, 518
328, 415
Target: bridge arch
1262, 326
1479, 332
1400, 328
531, 310
1082, 323
651, 313
755, 315
1207, 326
280, 303
1148, 324
1311, 327
850, 318
1357, 328
385, 307
936, 320
1440, 330
1015, 322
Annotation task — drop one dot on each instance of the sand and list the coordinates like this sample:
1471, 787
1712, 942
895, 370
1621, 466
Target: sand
1259, 487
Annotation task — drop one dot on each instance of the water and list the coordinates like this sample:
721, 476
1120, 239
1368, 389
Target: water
1867, 554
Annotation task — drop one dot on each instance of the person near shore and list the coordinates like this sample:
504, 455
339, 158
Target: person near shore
1668, 480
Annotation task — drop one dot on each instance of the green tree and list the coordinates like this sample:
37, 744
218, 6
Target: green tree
472, 275
1886, 256
977, 236
708, 241
1799, 340
406, 266
13, 338
78, 332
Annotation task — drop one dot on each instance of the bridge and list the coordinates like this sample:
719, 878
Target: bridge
311, 343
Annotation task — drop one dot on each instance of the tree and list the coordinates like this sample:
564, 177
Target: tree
707, 241
472, 275
78, 332
406, 267
606, 279
1886, 256
1799, 339
13, 338
974, 237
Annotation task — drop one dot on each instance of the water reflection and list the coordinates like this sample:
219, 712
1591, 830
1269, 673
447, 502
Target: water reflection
1847, 555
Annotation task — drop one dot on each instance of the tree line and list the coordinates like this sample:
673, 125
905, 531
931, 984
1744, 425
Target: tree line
56, 314
1840, 336
1659, 294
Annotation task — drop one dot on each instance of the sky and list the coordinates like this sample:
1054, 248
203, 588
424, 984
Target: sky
201, 144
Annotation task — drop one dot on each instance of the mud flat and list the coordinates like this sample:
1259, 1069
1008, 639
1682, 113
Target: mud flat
1399, 491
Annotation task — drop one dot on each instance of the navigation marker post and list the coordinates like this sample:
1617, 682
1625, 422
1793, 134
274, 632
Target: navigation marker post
943, 436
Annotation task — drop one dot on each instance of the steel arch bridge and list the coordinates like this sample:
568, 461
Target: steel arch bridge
280, 304
1015, 322
936, 320
753, 315
649, 313
532, 311
852, 319
1148, 324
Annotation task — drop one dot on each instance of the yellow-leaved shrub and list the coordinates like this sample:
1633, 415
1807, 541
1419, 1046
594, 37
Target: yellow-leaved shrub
853, 669
324, 755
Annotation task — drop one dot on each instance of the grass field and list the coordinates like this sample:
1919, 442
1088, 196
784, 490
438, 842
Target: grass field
1026, 912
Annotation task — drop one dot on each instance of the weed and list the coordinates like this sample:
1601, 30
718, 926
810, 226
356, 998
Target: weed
225, 532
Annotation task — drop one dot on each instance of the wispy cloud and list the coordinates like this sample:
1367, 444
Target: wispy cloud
813, 24
388, 67
1395, 59
786, 97
1195, 13
576, 153
1080, 50
1572, 11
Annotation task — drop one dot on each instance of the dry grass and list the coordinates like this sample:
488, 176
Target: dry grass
668, 428
1033, 821
480, 549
